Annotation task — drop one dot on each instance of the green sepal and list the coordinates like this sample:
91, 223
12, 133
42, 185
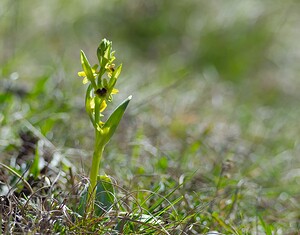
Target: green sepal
87, 69
105, 195
114, 77
95, 67
113, 121
117, 72
88, 100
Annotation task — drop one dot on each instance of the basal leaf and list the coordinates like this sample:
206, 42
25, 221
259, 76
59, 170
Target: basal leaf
105, 195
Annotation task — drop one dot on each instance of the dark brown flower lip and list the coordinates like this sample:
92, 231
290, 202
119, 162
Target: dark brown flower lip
101, 92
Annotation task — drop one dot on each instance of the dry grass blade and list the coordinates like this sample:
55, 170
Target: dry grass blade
19, 176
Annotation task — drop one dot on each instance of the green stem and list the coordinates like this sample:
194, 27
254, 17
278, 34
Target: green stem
99, 147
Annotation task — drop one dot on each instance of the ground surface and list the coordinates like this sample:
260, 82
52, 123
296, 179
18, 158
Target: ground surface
215, 103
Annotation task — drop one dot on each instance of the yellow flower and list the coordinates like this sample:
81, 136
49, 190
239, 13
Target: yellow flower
114, 91
85, 79
103, 105
110, 68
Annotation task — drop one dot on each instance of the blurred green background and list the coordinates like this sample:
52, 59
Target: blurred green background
212, 82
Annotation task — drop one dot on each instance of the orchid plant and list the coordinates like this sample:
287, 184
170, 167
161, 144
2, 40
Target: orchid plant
101, 79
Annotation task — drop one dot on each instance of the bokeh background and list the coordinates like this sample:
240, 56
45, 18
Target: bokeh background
215, 88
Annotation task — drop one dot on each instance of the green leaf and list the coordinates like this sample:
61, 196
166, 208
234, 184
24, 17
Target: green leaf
34, 168
267, 228
104, 200
82, 202
105, 195
113, 121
